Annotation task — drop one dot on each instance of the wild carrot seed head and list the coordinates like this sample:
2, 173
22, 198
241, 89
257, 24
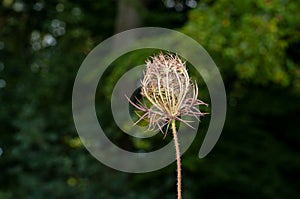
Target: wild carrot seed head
170, 91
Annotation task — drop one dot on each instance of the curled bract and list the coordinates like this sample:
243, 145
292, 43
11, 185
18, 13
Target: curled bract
167, 87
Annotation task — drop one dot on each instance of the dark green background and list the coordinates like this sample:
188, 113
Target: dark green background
255, 45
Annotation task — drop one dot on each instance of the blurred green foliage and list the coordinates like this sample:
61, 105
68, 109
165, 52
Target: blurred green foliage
254, 40
256, 46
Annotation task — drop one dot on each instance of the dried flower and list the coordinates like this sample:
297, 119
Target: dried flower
170, 91
171, 94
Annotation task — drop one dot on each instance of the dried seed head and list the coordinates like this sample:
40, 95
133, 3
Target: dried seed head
168, 87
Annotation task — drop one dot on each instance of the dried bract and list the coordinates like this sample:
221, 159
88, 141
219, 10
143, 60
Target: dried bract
167, 86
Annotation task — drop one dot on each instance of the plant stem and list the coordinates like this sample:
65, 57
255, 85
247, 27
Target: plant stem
178, 160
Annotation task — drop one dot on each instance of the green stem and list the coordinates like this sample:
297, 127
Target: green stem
178, 160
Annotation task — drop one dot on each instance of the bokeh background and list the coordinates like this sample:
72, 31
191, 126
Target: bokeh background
255, 44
